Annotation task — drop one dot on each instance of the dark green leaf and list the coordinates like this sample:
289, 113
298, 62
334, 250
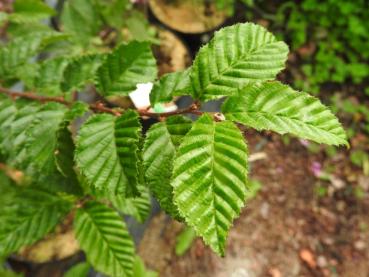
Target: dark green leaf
104, 238
161, 142
124, 68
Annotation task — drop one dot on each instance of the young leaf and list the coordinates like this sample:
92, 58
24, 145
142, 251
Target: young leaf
7, 114
237, 55
64, 148
21, 49
277, 107
41, 137
15, 134
36, 214
128, 65
104, 238
80, 71
139, 269
50, 75
113, 11
80, 18
209, 179
170, 85
138, 207
161, 142
106, 152
184, 241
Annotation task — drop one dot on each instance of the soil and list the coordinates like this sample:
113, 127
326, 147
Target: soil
287, 230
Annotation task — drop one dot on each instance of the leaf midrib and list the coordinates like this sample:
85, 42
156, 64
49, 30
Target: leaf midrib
266, 114
232, 65
105, 240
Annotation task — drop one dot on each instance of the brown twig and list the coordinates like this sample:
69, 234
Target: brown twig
98, 107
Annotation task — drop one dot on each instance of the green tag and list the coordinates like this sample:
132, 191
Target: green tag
159, 108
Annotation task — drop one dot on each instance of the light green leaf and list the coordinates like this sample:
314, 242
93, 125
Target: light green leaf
78, 270
138, 207
21, 49
128, 65
80, 18
139, 269
277, 107
50, 75
113, 11
3, 18
237, 55
64, 148
106, 152
41, 137
139, 28
170, 85
184, 241
7, 115
210, 179
36, 214
26, 11
8, 273
15, 134
104, 238
161, 142
80, 71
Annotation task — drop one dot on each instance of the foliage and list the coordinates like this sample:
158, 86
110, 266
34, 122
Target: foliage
340, 44
80, 270
329, 41
105, 166
184, 241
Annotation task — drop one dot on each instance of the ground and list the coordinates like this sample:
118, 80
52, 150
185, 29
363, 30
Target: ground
289, 229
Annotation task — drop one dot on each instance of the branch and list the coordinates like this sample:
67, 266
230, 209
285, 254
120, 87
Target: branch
97, 107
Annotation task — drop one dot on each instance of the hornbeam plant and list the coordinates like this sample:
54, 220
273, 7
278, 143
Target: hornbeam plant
197, 170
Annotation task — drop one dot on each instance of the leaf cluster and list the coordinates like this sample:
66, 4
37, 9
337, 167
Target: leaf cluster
197, 170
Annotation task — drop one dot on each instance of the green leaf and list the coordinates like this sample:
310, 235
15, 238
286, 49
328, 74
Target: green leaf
106, 152
41, 137
113, 11
26, 11
64, 148
36, 214
7, 115
139, 269
184, 241
18, 51
80, 71
170, 85
8, 273
138, 207
78, 270
161, 142
50, 75
15, 134
277, 107
104, 238
80, 18
209, 179
237, 55
139, 28
3, 18
128, 65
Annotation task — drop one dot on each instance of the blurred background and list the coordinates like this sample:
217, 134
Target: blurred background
308, 211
